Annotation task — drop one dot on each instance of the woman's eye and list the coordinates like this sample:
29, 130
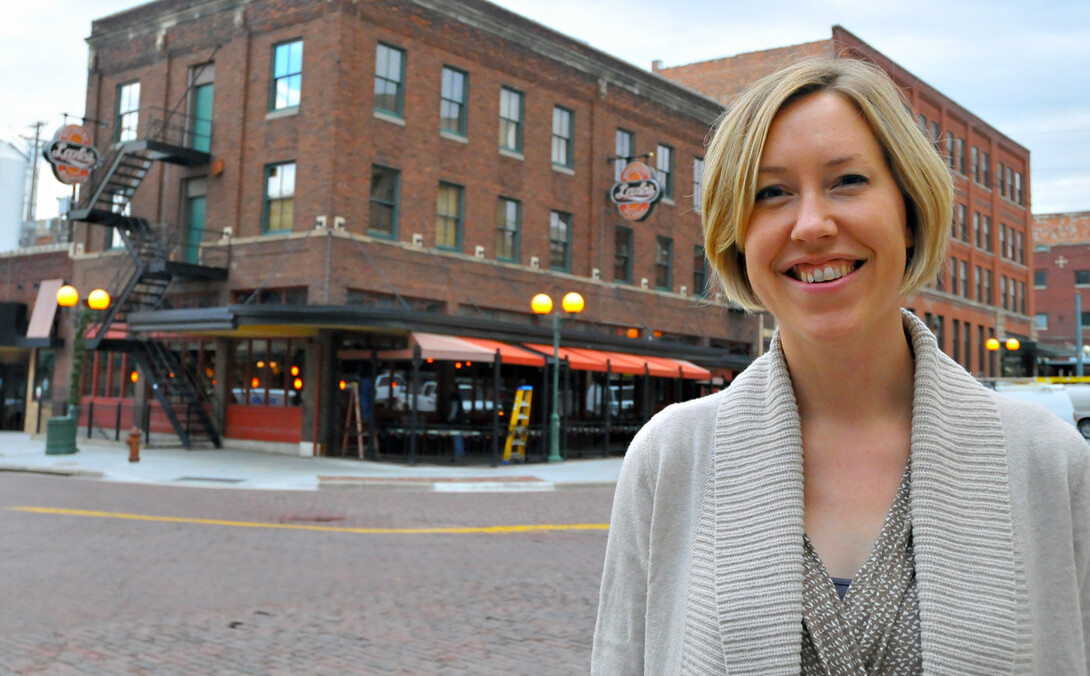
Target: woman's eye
769, 192
853, 179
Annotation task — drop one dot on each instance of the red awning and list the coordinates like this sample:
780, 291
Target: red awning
584, 359
453, 348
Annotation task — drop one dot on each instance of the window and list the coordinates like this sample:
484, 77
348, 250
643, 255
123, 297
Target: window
128, 112
923, 123
287, 75
508, 222
279, 197
622, 254
384, 198
1022, 297
957, 341
1018, 187
664, 263
1042, 321
986, 170
268, 372
1003, 240
988, 287
968, 333
977, 278
562, 137
510, 120
959, 154
1014, 298
560, 241
1003, 291
999, 178
664, 162
939, 329
389, 77
939, 283
700, 272
1020, 249
974, 155
965, 278
698, 182
963, 222
452, 101
623, 144
987, 233
981, 350
1010, 183
1082, 278
954, 276
1040, 279
448, 217
977, 234
936, 135
950, 149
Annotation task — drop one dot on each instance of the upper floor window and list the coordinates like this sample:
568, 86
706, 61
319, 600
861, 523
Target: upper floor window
128, 111
389, 78
999, 174
698, 182
664, 163
1010, 183
950, 149
622, 254
1018, 188
700, 272
560, 241
510, 120
986, 170
448, 220
623, 147
987, 220
1040, 279
1082, 278
452, 101
385, 190
562, 137
279, 208
974, 155
1021, 249
287, 75
664, 263
1042, 321
508, 226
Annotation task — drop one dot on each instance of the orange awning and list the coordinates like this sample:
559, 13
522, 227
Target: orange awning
453, 348
584, 359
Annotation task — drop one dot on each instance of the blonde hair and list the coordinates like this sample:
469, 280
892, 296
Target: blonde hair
733, 156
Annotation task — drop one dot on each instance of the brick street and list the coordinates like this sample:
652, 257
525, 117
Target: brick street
107, 595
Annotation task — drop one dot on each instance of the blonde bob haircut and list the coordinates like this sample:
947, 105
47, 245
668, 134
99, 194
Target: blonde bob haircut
734, 154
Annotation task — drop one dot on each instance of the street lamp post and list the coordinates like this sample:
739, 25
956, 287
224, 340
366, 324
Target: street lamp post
60, 431
542, 304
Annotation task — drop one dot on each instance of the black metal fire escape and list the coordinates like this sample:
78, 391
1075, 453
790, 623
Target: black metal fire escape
142, 279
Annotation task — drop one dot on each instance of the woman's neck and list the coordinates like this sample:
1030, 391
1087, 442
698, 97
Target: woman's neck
853, 380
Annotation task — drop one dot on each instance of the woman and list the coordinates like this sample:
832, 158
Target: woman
855, 502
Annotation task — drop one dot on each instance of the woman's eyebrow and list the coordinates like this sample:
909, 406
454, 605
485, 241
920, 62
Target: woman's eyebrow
836, 161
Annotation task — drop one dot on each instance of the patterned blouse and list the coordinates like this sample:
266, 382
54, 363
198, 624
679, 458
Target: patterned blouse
875, 628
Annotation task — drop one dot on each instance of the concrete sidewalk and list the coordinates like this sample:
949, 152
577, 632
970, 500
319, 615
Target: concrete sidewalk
226, 468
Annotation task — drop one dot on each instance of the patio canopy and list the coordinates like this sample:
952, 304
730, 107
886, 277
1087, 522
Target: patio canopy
453, 348
585, 359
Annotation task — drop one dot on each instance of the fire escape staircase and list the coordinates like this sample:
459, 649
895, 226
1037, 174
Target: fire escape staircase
141, 283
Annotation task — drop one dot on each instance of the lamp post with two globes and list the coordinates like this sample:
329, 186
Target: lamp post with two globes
542, 304
1012, 344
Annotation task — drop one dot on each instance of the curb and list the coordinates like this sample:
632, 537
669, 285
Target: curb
55, 471
437, 484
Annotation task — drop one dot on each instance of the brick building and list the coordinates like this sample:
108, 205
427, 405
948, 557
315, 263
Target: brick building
985, 290
1061, 271
297, 195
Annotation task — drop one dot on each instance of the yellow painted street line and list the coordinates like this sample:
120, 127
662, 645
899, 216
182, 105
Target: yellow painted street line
468, 530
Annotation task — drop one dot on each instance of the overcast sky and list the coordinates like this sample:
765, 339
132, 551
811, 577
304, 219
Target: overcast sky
1023, 67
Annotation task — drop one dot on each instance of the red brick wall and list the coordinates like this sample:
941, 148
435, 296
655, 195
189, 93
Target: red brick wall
1066, 228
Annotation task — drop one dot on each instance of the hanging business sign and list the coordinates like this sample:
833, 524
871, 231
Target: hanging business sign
71, 154
636, 193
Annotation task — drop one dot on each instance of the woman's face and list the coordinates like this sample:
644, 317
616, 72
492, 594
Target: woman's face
825, 244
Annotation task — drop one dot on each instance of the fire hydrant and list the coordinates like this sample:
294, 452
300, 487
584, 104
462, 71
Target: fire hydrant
134, 445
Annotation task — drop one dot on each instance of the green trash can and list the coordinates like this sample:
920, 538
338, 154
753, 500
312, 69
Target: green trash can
60, 435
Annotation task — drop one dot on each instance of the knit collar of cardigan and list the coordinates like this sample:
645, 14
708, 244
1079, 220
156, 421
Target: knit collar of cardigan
973, 608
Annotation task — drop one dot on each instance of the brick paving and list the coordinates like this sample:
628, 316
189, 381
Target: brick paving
85, 595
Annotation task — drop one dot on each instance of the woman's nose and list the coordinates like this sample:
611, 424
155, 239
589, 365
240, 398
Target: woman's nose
813, 220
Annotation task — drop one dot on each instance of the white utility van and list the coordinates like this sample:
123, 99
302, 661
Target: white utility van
1080, 399
1052, 397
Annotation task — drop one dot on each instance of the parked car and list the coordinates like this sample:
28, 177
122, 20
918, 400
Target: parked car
1053, 397
1080, 399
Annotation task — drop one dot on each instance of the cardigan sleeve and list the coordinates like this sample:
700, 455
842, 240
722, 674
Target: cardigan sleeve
622, 607
1080, 518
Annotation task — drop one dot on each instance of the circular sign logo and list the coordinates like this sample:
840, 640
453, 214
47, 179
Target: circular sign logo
636, 193
71, 154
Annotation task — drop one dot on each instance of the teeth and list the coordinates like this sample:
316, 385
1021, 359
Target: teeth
826, 274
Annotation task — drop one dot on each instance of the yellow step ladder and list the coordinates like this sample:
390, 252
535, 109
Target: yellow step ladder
519, 428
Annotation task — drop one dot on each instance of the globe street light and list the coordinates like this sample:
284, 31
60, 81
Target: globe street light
542, 304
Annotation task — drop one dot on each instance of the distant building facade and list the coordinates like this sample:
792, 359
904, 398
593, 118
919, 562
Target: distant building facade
1061, 272
984, 291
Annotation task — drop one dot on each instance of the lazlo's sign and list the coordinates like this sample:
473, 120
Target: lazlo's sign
71, 154
636, 193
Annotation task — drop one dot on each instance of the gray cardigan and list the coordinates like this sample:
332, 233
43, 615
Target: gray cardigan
703, 571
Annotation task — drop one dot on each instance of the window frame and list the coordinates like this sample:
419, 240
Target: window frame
267, 201
458, 218
667, 185
668, 265
627, 256
444, 99
698, 184
395, 206
620, 160
275, 78
567, 143
501, 230
122, 131
399, 94
701, 272
518, 123
554, 215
